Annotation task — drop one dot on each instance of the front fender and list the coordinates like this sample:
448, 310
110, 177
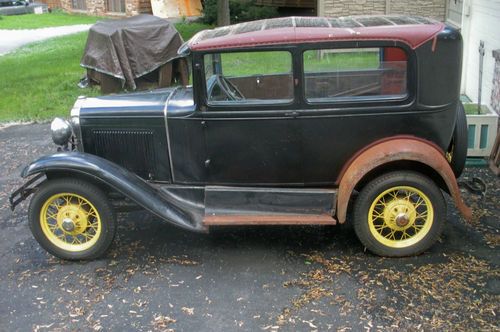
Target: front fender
162, 204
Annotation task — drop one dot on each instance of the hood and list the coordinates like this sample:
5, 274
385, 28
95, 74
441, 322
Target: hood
147, 103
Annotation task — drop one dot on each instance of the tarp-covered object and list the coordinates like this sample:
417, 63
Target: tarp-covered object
130, 48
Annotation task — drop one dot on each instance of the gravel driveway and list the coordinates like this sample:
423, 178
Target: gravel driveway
157, 277
12, 39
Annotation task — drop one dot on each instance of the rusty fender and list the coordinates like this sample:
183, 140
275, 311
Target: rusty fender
397, 149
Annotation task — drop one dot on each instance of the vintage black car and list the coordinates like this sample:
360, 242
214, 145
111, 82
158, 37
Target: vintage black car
289, 121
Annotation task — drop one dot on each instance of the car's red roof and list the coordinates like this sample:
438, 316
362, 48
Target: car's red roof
412, 30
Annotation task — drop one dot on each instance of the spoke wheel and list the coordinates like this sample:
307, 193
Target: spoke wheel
72, 219
400, 217
70, 222
399, 214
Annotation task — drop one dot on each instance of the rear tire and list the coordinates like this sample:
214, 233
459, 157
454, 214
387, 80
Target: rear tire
399, 214
72, 219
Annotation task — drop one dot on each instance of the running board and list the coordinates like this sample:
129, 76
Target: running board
248, 219
269, 202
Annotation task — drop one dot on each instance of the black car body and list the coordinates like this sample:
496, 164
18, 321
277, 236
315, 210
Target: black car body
286, 143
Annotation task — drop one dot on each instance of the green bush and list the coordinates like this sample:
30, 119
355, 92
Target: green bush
240, 11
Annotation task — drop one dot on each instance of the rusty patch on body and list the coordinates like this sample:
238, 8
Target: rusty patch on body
320, 219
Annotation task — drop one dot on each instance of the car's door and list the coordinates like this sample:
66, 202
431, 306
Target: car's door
353, 96
251, 129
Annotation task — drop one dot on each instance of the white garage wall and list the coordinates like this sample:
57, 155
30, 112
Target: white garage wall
454, 10
480, 21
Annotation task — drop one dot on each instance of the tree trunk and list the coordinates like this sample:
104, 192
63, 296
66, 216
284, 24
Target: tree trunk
222, 12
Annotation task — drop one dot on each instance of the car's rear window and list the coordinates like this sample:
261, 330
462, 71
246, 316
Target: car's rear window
351, 74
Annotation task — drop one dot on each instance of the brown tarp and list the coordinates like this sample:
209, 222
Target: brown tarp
130, 48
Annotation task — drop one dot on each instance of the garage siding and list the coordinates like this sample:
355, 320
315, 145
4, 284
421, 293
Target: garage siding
481, 21
429, 8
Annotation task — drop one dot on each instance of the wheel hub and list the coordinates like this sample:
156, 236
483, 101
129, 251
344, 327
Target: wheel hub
402, 219
72, 219
399, 214
68, 225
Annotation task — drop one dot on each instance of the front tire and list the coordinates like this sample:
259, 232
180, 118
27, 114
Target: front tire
72, 219
399, 214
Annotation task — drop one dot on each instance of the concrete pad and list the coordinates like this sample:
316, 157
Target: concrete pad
12, 39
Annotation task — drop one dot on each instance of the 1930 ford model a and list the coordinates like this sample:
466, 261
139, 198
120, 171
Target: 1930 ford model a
286, 119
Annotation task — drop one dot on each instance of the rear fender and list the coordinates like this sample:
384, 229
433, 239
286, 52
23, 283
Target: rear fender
397, 149
162, 204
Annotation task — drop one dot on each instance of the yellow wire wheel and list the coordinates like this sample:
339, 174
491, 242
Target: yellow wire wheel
399, 214
72, 219
70, 222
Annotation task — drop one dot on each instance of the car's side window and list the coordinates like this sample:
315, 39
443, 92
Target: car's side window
249, 77
352, 74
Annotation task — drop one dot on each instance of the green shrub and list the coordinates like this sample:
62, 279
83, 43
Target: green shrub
240, 11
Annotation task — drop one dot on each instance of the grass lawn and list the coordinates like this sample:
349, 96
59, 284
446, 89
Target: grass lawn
38, 82
188, 30
314, 61
251, 63
471, 109
54, 19
276, 62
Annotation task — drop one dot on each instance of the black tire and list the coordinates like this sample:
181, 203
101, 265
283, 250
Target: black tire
87, 191
458, 146
374, 240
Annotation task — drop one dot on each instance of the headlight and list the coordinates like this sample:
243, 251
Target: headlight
61, 131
